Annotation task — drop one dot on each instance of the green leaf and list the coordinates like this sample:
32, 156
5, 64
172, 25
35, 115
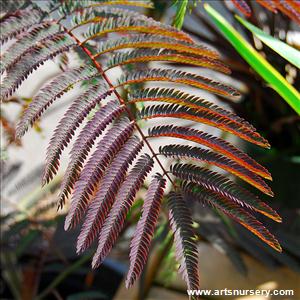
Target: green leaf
181, 7
256, 61
180, 12
287, 52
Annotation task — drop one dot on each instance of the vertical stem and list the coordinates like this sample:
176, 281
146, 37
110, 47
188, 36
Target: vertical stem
69, 270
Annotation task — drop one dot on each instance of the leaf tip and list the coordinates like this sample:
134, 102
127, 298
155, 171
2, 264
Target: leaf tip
67, 225
95, 263
277, 247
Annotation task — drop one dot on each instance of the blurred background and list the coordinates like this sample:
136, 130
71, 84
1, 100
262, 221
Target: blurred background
38, 259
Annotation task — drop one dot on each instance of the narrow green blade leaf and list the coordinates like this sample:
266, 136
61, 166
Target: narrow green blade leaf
289, 53
256, 61
180, 12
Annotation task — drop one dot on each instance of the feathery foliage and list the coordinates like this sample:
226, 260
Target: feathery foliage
184, 239
124, 200
100, 181
144, 232
290, 8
